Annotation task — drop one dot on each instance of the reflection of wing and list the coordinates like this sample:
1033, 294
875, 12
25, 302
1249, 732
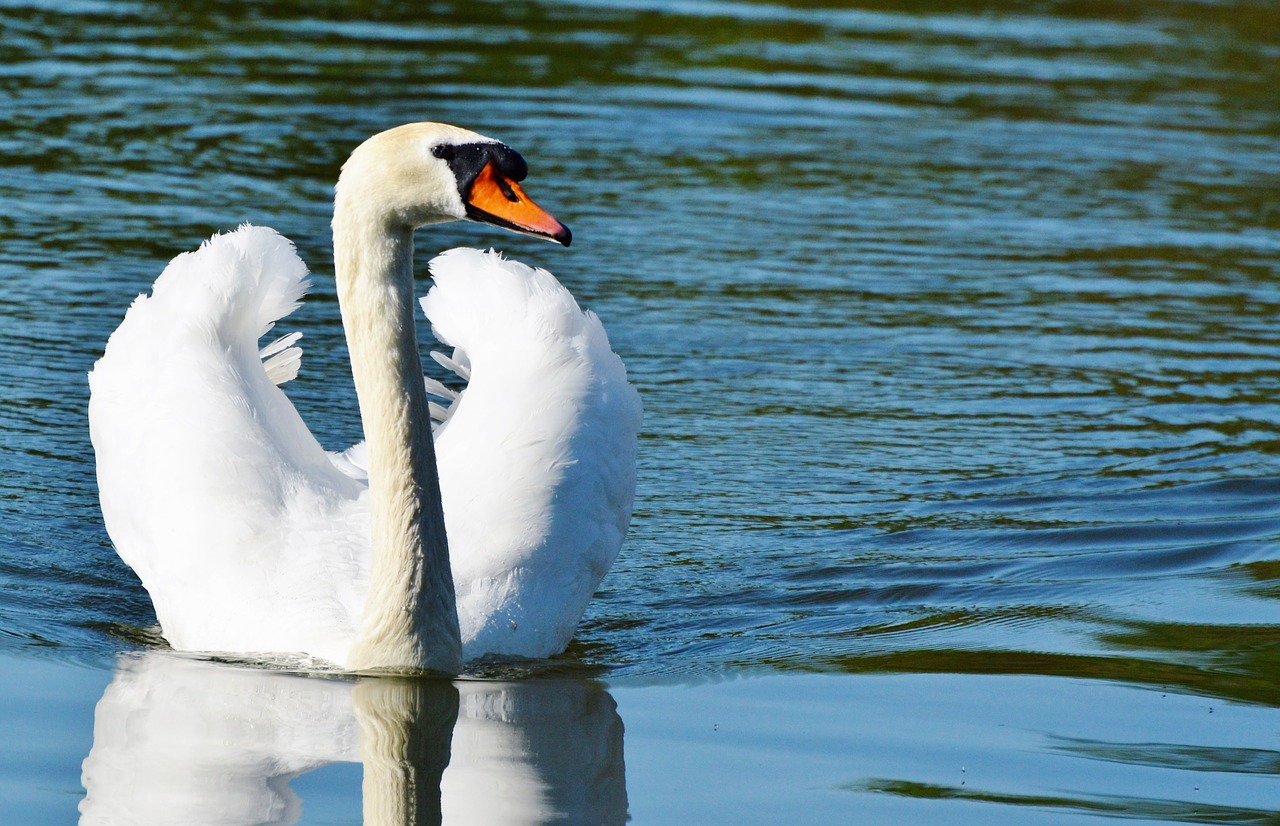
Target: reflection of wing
545, 751
179, 740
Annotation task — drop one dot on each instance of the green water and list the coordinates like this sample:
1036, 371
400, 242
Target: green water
955, 328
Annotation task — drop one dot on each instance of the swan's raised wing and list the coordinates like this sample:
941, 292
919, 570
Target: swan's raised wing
536, 455
212, 488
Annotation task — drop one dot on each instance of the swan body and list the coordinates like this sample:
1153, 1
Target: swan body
252, 539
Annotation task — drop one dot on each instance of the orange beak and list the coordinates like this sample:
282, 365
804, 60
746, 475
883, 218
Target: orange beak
500, 201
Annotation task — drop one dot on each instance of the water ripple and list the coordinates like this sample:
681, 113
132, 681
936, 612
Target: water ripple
955, 329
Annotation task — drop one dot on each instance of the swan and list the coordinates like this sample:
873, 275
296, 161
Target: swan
253, 540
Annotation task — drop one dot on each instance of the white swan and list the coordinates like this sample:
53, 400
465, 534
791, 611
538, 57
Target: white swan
251, 539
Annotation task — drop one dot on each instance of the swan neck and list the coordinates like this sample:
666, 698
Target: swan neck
410, 615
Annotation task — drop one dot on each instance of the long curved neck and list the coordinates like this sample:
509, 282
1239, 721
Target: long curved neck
410, 617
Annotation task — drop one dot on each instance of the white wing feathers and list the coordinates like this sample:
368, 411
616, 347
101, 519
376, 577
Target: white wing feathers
242, 282
212, 488
459, 363
281, 359
438, 389
250, 538
537, 454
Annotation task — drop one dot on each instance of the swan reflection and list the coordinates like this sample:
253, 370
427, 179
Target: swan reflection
180, 740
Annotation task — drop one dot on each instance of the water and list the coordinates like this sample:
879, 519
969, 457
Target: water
955, 331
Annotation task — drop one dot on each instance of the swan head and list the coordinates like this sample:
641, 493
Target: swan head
429, 173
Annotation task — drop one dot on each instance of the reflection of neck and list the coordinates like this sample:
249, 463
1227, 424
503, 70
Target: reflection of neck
405, 731
410, 617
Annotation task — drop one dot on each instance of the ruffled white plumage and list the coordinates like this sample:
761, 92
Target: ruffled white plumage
536, 456
251, 538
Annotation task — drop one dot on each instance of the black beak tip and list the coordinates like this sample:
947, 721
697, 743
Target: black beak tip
564, 236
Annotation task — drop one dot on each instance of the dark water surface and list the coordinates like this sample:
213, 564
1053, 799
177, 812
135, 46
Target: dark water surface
956, 327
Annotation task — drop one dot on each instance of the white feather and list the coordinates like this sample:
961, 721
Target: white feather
438, 389
458, 363
281, 359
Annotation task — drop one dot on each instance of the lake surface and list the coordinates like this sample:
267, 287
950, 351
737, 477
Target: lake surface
956, 329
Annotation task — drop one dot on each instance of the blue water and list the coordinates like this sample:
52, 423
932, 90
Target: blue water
954, 324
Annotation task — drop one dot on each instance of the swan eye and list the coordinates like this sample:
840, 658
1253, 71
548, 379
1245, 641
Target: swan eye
444, 151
